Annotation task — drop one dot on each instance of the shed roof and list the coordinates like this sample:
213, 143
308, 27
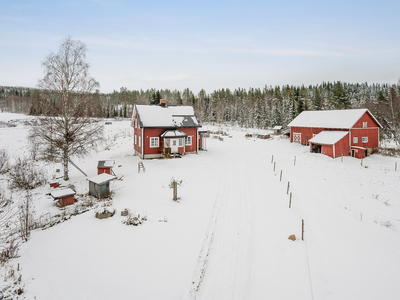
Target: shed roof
102, 178
277, 127
105, 164
62, 193
328, 137
343, 119
173, 134
166, 117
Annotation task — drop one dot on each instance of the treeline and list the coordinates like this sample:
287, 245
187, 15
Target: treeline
251, 108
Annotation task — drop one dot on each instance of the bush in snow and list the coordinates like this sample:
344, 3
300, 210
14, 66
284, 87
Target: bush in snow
4, 157
134, 219
25, 175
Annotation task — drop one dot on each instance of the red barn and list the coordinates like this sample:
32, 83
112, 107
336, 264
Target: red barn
160, 127
337, 133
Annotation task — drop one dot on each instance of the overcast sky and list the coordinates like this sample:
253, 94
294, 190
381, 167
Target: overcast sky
206, 44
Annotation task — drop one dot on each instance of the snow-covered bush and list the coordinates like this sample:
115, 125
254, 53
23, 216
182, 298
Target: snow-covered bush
134, 219
25, 175
4, 157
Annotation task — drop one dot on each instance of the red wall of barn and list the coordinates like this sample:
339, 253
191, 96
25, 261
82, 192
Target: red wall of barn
307, 133
342, 147
193, 133
372, 132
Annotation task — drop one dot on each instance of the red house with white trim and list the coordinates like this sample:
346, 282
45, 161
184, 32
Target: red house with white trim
156, 127
337, 133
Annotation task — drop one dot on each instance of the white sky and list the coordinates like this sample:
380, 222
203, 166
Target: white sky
206, 44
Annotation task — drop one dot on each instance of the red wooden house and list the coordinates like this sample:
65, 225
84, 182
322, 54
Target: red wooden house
157, 127
64, 196
337, 133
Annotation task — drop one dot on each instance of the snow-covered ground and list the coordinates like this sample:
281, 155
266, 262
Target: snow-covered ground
227, 236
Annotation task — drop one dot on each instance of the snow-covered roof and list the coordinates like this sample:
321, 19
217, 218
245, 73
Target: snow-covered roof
173, 134
277, 127
343, 119
105, 164
102, 178
62, 193
165, 117
328, 137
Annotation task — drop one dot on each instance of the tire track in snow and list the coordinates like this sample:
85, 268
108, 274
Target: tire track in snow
225, 270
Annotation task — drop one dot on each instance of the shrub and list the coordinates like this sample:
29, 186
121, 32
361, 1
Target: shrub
25, 175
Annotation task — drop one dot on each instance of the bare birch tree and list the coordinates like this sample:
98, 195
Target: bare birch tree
65, 129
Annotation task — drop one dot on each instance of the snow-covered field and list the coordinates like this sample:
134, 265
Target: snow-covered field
227, 236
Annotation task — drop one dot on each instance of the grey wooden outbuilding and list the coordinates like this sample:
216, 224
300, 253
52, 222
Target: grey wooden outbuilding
99, 185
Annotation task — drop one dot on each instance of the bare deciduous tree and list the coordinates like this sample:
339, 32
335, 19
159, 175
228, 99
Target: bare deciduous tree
66, 129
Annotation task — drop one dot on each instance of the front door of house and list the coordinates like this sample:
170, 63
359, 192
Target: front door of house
174, 145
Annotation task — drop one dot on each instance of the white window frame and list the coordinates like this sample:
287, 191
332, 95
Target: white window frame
364, 139
355, 139
180, 143
365, 124
188, 140
135, 139
140, 141
154, 142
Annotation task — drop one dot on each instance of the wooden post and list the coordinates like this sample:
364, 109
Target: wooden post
280, 179
302, 229
272, 159
274, 166
294, 160
288, 185
175, 186
290, 200
361, 162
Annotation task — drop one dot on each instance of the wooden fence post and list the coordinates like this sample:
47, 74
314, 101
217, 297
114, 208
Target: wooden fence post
294, 160
302, 229
272, 159
288, 185
175, 186
280, 179
274, 166
290, 200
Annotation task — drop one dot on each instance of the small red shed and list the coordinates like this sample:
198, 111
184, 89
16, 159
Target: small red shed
105, 166
64, 196
335, 133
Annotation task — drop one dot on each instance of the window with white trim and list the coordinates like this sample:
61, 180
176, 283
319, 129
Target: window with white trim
154, 142
188, 140
365, 139
140, 141
355, 140
135, 139
180, 143
365, 124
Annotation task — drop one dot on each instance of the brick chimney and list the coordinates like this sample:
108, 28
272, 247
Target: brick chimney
163, 103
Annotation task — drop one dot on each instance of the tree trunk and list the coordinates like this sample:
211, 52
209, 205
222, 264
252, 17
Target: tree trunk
65, 163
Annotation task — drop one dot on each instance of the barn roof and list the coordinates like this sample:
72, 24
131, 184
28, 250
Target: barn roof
166, 117
341, 119
328, 137
105, 164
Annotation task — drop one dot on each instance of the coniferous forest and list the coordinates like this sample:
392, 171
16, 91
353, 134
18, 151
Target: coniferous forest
248, 108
